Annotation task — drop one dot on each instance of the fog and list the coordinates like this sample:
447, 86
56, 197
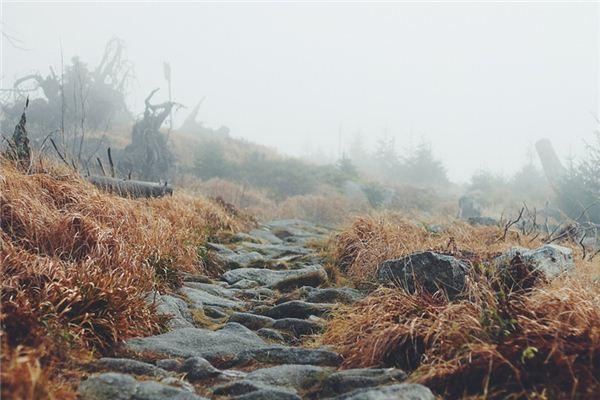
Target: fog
480, 82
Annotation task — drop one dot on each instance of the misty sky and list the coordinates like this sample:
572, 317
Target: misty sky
481, 82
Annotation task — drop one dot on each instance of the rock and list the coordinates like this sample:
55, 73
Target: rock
298, 377
251, 321
551, 260
430, 270
243, 387
484, 221
245, 237
265, 235
402, 391
270, 334
298, 326
298, 309
314, 279
178, 383
215, 312
198, 368
469, 207
176, 308
220, 248
115, 386
344, 295
199, 298
268, 394
129, 366
169, 364
242, 260
351, 379
228, 342
267, 277
218, 289
245, 284
290, 355
276, 250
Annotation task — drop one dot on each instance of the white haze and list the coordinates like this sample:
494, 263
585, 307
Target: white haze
481, 82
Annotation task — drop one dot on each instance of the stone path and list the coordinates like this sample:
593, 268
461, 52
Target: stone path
241, 337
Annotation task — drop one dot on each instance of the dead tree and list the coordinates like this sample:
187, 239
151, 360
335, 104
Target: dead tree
148, 156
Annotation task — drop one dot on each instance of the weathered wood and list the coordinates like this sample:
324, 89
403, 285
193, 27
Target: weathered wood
129, 188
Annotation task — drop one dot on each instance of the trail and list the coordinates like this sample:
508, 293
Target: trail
244, 336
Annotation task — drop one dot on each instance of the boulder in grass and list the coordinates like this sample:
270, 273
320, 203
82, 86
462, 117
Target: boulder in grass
549, 260
429, 270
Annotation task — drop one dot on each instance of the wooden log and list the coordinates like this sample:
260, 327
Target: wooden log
129, 188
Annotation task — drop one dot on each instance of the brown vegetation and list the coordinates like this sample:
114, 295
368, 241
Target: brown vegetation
499, 340
77, 265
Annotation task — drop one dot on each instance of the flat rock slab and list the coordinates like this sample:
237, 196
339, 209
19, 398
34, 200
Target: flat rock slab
199, 298
228, 342
129, 366
402, 391
298, 309
271, 278
276, 250
242, 260
115, 386
289, 355
198, 368
245, 387
298, 377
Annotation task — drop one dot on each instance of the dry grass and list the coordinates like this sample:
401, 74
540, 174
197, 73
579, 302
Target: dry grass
498, 341
370, 240
77, 264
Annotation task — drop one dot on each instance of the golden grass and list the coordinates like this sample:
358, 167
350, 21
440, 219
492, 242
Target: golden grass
77, 263
498, 341
370, 240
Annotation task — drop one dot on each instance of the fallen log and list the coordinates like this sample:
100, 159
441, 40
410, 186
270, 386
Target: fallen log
129, 188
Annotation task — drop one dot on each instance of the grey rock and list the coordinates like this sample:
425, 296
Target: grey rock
430, 270
484, 221
298, 326
290, 355
116, 386
402, 391
551, 260
290, 375
227, 342
245, 284
315, 279
298, 309
218, 289
179, 383
351, 379
199, 298
198, 368
242, 260
214, 312
220, 248
267, 277
245, 237
176, 308
344, 295
270, 334
265, 235
244, 386
268, 394
276, 250
251, 321
169, 364
129, 366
